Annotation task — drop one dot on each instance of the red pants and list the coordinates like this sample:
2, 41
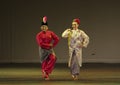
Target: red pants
48, 64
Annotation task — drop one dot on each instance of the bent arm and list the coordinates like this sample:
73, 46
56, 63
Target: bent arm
65, 34
55, 38
85, 39
41, 43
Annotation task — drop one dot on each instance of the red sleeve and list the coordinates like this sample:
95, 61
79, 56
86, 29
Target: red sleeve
55, 38
40, 43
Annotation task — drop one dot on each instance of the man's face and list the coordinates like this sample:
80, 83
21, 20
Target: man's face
44, 27
75, 25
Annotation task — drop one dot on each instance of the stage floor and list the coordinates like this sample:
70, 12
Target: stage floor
30, 74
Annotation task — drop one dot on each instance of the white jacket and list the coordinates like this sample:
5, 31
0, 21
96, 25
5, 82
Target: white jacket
76, 40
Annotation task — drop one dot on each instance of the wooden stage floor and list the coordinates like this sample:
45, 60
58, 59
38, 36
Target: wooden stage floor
30, 74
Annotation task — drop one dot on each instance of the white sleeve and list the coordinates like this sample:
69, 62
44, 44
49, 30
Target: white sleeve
65, 33
85, 39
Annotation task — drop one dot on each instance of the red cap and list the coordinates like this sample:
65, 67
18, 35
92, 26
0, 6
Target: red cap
77, 20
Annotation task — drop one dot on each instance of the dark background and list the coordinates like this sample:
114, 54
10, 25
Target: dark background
21, 19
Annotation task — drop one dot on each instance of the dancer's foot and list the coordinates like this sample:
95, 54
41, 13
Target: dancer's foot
45, 75
75, 77
47, 78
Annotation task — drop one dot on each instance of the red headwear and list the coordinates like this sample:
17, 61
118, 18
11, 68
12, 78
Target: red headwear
77, 20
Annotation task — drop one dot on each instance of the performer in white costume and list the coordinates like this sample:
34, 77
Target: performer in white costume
77, 39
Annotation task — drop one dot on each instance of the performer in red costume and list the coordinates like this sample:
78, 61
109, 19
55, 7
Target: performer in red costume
47, 40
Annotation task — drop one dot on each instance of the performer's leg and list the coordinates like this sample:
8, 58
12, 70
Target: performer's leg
48, 65
44, 64
74, 67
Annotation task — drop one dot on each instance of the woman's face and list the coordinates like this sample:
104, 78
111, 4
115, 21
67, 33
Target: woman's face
75, 25
44, 27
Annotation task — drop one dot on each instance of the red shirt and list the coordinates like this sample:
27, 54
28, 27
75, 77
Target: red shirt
45, 38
